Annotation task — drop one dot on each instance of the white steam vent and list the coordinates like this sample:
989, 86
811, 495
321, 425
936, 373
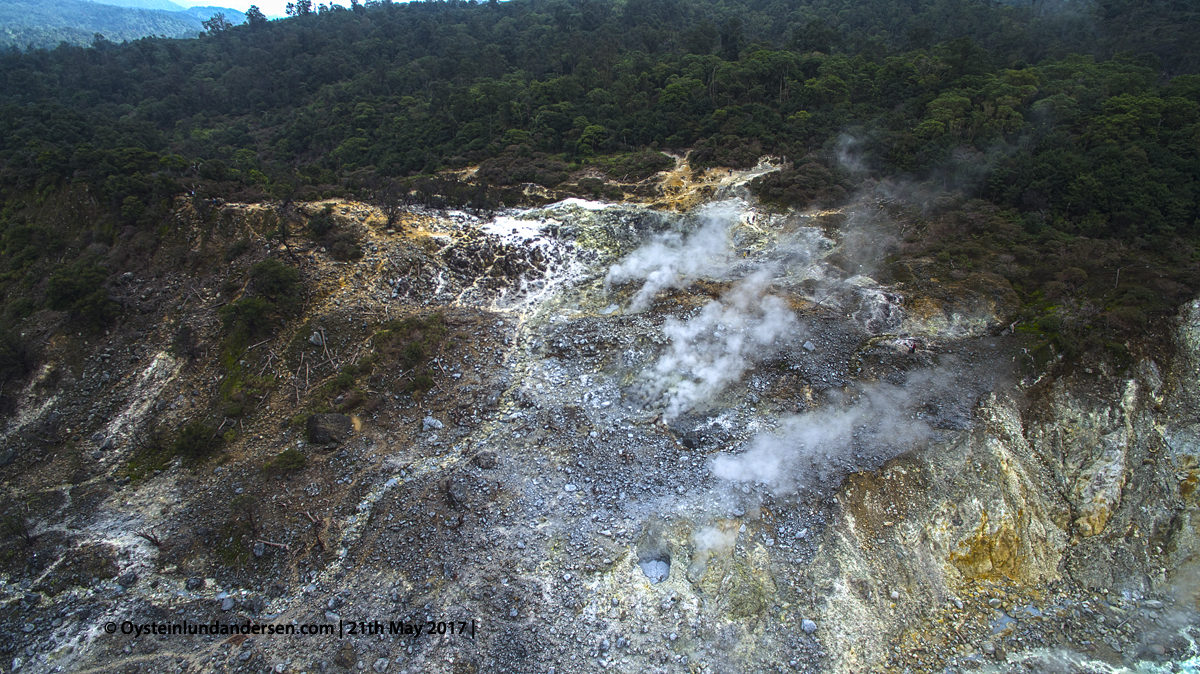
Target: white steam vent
656, 570
653, 556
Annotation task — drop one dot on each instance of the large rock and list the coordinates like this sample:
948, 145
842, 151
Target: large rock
326, 428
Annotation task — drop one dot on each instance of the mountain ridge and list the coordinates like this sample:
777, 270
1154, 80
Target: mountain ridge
46, 24
163, 5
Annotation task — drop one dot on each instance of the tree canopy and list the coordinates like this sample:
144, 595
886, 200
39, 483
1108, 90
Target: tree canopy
1068, 118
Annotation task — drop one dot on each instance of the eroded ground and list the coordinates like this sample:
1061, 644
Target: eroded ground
733, 451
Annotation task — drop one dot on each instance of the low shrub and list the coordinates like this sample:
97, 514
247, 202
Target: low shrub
196, 441
80, 291
287, 461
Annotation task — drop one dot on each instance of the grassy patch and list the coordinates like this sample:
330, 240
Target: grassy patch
241, 391
287, 461
195, 443
418, 384
233, 548
153, 455
409, 343
238, 532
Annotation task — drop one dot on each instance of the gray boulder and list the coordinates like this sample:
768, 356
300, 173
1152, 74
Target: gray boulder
323, 429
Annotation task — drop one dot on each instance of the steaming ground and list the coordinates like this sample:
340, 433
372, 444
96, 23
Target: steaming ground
707, 442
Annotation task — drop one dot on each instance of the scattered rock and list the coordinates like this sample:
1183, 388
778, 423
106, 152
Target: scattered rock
486, 460
431, 424
254, 604
7, 457
808, 626
227, 604
316, 339
193, 584
346, 656
456, 494
127, 579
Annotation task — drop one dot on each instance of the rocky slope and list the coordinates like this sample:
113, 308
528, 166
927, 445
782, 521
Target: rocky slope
702, 439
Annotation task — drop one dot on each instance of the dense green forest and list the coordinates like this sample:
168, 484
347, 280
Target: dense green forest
46, 23
1052, 123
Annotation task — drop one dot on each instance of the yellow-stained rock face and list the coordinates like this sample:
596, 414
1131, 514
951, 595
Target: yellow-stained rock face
992, 553
1187, 487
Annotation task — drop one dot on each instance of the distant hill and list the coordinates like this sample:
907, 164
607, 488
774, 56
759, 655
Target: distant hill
207, 12
164, 5
46, 23
201, 12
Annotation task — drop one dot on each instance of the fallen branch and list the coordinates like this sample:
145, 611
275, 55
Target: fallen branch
282, 546
296, 377
316, 529
150, 538
270, 357
248, 348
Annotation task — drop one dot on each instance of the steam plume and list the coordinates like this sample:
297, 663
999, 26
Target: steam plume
673, 260
884, 421
715, 348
